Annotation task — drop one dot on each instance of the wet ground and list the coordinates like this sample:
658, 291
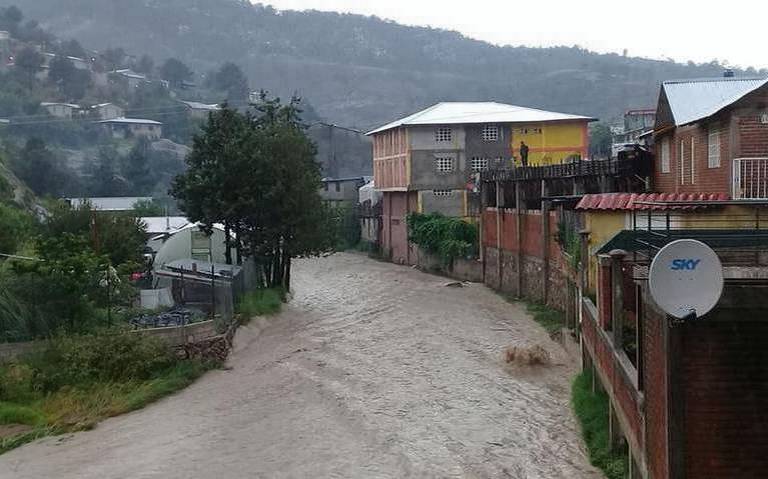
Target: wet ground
373, 371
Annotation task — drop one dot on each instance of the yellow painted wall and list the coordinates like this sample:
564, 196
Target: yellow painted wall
549, 143
602, 227
730, 216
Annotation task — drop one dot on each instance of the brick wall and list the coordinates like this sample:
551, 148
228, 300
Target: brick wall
753, 137
725, 371
655, 388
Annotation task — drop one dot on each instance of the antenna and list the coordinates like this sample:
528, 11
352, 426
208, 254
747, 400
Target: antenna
686, 279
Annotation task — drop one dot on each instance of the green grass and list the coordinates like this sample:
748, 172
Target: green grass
548, 318
261, 302
592, 411
80, 406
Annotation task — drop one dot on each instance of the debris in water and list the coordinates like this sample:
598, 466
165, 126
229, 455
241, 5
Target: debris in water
534, 355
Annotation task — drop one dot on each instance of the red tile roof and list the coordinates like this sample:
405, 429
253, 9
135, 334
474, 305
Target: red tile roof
634, 201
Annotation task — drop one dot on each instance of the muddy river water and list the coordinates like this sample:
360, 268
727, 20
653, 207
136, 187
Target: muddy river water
372, 371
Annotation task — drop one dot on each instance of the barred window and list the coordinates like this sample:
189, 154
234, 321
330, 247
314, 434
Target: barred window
443, 164
479, 164
443, 133
490, 133
713, 158
442, 193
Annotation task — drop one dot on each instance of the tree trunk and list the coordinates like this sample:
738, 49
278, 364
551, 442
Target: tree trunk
227, 244
287, 272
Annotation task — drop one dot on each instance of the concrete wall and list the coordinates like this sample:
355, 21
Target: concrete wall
343, 190
461, 268
477, 147
424, 174
423, 138
453, 205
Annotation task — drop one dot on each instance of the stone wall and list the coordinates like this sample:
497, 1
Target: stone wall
461, 268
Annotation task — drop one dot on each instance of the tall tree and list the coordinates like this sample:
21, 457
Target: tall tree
73, 48
29, 61
231, 79
175, 72
260, 175
40, 168
145, 65
136, 168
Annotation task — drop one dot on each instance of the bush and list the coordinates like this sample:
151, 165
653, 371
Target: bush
86, 359
261, 302
592, 412
448, 238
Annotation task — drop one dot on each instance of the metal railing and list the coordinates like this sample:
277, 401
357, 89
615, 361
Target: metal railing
750, 178
578, 168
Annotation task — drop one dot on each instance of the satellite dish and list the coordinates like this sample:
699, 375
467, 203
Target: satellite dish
686, 278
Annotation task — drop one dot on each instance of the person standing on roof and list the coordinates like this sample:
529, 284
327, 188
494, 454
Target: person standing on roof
523, 154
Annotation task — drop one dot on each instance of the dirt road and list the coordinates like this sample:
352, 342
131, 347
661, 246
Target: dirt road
372, 371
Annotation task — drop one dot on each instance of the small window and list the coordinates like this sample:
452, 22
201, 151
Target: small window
327, 186
681, 156
443, 133
530, 131
665, 168
713, 147
490, 133
442, 193
444, 164
479, 164
338, 187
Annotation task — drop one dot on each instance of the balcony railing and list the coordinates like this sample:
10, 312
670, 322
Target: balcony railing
750, 179
579, 168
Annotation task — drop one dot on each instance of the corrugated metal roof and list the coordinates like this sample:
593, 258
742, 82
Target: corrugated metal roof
116, 203
636, 201
693, 100
450, 113
132, 121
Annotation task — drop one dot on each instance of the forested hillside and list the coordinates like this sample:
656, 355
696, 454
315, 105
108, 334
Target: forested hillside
361, 71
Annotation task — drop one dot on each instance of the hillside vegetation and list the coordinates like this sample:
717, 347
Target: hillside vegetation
361, 71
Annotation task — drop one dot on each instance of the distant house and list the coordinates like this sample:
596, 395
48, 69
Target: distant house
134, 127
711, 136
200, 111
638, 124
60, 110
107, 111
342, 190
131, 77
115, 203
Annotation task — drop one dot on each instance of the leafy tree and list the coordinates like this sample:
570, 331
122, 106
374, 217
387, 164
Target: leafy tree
259, 174
105, 176
73, 48
114, 58
600, 140
136, 168
29, 61
40, 168
145, 65
61, 69
175, 72
231, 79
16, 226
148, 208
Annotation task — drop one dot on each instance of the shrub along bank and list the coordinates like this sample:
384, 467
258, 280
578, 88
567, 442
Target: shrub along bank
79, 380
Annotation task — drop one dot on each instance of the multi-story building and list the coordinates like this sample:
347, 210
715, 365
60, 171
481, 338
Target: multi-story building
711, 136
427, 162
632, 132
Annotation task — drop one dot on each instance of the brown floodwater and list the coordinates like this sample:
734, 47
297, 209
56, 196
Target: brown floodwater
372, 371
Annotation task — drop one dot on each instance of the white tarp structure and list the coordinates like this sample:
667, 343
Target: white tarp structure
156, 298
368, 192
190, 242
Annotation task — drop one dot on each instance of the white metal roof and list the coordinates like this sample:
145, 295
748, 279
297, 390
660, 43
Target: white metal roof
53, 103
132, 121
693, 100
196, 105
116, 203
163, 224
448, 113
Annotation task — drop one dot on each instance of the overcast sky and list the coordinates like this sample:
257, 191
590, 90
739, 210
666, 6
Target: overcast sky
734, 31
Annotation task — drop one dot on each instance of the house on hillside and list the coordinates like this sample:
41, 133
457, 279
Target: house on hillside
109, 204
635, 128
428, 162
711, 136
199, 111
107, 111
132, 79
133, 128
61, 110
341, 190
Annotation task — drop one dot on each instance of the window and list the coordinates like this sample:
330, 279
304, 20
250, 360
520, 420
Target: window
665, 155
530, 131
338, 187
442, 193
327, 186
443, 164
681, 157
443, 133
713, 147
490, 133
478, 164
693, 160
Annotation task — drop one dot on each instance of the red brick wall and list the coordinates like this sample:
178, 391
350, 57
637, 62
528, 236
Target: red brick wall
702, 179
655, 390
725, 371
753, 137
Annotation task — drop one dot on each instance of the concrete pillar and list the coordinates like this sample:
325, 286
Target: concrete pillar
604, 291
617, 303
545, 206
519, 240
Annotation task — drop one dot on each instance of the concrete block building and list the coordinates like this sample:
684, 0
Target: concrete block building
428, 162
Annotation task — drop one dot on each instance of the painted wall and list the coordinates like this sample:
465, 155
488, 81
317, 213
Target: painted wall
602, 227
550, 143
390, 160
453, 205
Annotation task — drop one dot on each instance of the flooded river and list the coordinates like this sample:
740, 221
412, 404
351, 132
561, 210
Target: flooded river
372, 371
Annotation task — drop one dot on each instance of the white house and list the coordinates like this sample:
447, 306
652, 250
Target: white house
200, 111
60, 110
107, 111
134, 127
